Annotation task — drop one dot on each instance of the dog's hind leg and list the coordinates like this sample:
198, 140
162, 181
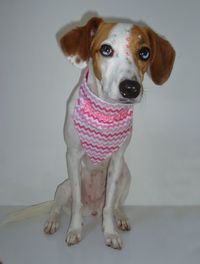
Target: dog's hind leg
121, 194
61, 200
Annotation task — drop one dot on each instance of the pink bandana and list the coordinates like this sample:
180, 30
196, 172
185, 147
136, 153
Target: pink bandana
101, 126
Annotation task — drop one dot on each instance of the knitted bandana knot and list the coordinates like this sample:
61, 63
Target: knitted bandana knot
102, 127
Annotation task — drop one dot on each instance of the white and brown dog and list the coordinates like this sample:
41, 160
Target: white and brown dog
99, 116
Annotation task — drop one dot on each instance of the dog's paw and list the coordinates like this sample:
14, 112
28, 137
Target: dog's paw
73, 237
113, 240
122, 221
123, 224
52, 225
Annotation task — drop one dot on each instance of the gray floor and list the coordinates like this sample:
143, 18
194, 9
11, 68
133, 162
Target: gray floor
161, 235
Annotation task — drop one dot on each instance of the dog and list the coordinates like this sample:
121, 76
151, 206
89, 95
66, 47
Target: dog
98, 126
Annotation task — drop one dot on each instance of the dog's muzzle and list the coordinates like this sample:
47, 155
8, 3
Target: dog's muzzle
129, 89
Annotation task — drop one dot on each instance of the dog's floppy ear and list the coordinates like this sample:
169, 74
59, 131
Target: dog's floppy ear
162, 58
76, 43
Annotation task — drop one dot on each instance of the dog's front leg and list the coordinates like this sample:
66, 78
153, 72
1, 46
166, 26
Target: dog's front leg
115, 169
112, 237
73, 165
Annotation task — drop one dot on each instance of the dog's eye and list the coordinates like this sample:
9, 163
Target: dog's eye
106, 50
144, 53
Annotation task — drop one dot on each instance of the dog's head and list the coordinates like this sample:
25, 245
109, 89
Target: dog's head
120, 54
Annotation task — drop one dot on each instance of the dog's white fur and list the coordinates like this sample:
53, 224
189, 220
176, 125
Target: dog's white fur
97, 189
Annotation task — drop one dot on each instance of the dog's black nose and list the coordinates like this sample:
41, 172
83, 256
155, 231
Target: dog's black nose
129, 89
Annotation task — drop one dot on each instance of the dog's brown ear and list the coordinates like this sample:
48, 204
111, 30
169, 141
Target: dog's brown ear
163, 56
76, 43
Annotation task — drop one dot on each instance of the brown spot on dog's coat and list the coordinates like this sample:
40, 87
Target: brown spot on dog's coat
78, 60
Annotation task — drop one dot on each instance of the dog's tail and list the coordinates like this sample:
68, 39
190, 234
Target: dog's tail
27, 213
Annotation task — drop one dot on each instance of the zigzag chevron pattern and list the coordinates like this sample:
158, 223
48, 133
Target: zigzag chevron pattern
102, 127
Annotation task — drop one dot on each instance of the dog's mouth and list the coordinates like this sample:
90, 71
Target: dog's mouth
130, 101
127, 101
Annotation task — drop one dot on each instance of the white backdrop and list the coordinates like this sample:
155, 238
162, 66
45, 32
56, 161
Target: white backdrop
36, 79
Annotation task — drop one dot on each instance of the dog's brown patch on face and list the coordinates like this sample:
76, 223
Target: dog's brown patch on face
102, 34
162, 54
139, 39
